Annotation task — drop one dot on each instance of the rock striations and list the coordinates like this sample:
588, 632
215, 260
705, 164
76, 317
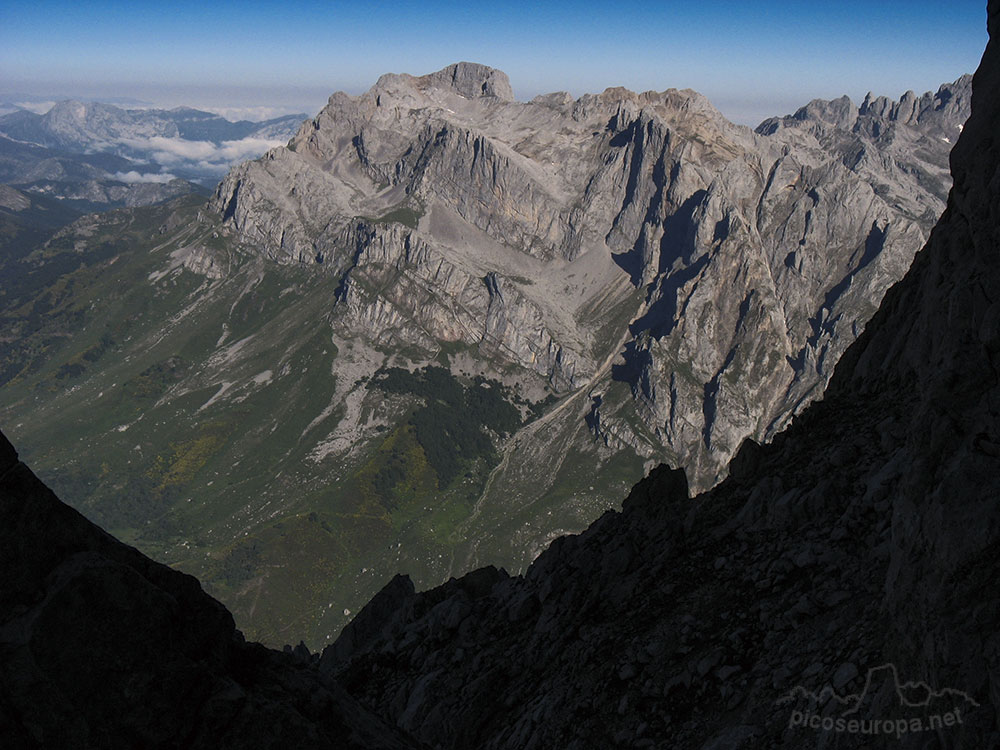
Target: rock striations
700, 278
843, 573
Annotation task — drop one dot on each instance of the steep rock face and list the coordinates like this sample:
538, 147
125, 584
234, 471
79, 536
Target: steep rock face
399, 281
897, 130
102, 647
759, 255
852, 555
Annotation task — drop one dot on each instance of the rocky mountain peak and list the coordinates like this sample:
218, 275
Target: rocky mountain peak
654, 191
469, 80
68, 109
943, 110
852, 556
93, 126
934, 114
840, 113
472, 80
79, 122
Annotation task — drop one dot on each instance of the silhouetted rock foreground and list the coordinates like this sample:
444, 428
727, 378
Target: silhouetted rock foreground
864, 536
102, 647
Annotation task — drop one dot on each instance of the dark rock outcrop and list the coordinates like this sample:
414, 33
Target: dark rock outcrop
101, 647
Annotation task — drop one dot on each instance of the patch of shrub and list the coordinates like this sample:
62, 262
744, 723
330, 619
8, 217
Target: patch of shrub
454, 422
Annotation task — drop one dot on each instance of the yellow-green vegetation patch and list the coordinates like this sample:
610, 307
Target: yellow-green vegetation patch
397, 473
406, 215
187, 457
454, 423
156, 378
280, 582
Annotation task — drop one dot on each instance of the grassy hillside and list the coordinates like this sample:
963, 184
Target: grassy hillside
203, 405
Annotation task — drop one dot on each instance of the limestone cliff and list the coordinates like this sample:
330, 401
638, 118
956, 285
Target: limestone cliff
721, 271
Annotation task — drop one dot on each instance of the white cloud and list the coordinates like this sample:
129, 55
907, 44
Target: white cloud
254, 114
248, 148
97, 147
172, 150
178, 151
134, 176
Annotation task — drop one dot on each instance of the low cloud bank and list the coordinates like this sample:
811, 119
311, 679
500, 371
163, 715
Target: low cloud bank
133, 176
177, 151
39, 108
255, 114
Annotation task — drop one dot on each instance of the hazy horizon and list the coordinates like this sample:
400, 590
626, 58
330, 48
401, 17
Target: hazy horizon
750, 61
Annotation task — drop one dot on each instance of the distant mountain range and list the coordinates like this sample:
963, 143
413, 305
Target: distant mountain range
93, 156
96, 126
12, 102
442, 327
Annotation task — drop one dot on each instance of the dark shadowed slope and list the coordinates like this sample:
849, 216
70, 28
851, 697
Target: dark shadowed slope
102, 647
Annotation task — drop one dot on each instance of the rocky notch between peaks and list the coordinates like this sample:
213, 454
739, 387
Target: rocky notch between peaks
690, 281
863, 536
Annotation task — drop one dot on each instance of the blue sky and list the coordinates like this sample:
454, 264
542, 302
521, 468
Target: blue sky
750, 59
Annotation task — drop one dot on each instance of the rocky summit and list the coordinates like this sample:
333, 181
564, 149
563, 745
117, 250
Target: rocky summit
835, 591
693, 281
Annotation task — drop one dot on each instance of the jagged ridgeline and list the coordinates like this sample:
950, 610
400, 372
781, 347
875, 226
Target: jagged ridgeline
442, 326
